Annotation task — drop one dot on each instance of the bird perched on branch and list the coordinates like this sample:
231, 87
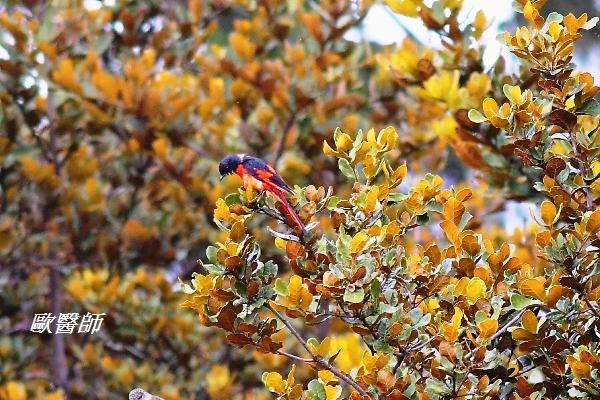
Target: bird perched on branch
260, 176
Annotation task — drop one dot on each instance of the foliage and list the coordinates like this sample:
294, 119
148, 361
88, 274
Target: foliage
439, 316
403, 286
112, 121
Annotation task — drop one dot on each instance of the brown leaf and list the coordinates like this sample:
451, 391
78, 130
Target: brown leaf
238, 339
563, 118
554, 166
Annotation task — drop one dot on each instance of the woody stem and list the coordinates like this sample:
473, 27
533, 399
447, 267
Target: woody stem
315, 357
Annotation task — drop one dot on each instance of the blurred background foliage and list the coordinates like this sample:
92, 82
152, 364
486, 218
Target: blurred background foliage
112, 120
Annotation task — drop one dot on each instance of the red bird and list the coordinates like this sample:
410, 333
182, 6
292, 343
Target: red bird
260, 176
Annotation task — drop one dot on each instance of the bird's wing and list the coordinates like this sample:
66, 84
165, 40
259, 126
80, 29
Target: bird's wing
264, 172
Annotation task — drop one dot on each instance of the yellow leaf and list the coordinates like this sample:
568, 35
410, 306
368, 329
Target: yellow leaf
444, 86
476, 290
326, 376
295, 290
479, 23
358, 242
533, 287
331, 393
532, 15
593, 222
387, 137
595, 294
371, 136
321, 349
237, 232
554, 29
487, 328
325, 347
312, 23
57, 395
274, 382
581, 370
241, 46
160, 146
13, 391
195, 9
490, 107
343, 142
404, 7
64, 75
371, 199
218, 381
513, 94
290, 378
543, 238
280, 243
548, 211
399, 173
222, 212
328, 151
522, 334
450, 330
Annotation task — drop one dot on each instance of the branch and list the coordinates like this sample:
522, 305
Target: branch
282, 140
500, 331
592, 308
58, 362
316, 358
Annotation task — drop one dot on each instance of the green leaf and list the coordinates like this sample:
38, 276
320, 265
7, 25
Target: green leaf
476, 116
519, 302
213, 269
354, 296
316, 390
375, 291
480, 316
423, 219
336, 134
233, 198
590, 107
281, 287
346, 168
211, 254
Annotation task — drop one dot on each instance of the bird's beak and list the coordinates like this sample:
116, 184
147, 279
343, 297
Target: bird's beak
222, 176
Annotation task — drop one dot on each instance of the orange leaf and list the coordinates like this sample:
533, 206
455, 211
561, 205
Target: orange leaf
533, 287
593, 223
487, 328
529, 321
548, 211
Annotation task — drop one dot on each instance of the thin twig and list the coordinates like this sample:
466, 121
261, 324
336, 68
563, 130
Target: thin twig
283, 138
294, 357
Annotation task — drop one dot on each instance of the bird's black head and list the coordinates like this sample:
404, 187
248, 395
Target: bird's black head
229, 164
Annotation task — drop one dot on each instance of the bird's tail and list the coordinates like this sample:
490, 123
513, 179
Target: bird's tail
289, 210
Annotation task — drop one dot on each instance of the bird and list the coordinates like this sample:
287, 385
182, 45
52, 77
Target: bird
260, 176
